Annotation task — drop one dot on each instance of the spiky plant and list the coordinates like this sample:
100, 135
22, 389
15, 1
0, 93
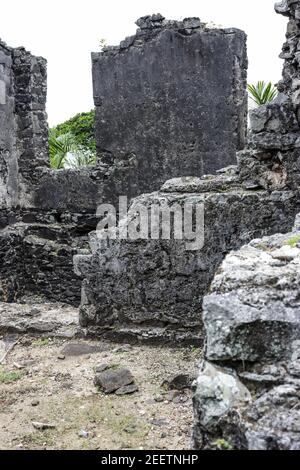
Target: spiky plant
59, 148
262, 92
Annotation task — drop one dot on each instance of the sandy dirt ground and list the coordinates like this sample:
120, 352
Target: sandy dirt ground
41, 383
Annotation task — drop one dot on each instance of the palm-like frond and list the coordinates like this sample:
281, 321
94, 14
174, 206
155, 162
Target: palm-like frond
59, 148
262, 92
80, 158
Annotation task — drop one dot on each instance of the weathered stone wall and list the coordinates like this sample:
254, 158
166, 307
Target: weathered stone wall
248, 389
23, 125
38, 239
30, 76
45, 215
153, 289
171, 100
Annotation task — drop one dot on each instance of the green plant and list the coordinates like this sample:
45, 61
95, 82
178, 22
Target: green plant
80, 157
293, 241
81, 127
59, 148
10, 377
41, 342
222, 444
195, 351
65, 152
262, 92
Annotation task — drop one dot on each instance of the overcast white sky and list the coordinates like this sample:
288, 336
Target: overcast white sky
66, 31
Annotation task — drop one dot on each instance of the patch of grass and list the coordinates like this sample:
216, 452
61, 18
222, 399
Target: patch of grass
10, 377
222, 444
110, 422
129, 424
39, 438
104, 414
41, 342
293, 241
195, 351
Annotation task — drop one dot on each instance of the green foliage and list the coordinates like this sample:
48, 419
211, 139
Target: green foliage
41, 342
81, 127
222, 444
81, 157
262, 92
72, 144
59, 148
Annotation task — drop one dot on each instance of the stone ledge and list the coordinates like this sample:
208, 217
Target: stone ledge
51, 320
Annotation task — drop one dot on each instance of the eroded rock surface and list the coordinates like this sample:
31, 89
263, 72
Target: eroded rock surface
254, 309
50, 320
153, 289
251, 319
120, 380
161, 94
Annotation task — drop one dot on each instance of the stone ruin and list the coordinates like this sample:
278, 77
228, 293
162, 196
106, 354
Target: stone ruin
248, 390
154, 120
154, 289
151, 290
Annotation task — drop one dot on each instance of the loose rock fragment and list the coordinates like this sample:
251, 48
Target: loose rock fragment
42, 426
111, 380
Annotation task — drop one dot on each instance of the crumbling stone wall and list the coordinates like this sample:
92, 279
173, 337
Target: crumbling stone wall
24, 128
272, 159
248, 388
8, 160
37, 243
171, 100
45, 215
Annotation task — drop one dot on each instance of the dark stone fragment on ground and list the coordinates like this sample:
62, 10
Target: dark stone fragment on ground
179, 382
127, 390
81, 349
110, 381
159, 422
177, 397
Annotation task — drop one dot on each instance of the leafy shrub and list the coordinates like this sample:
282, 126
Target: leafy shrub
81, 127
72, 144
